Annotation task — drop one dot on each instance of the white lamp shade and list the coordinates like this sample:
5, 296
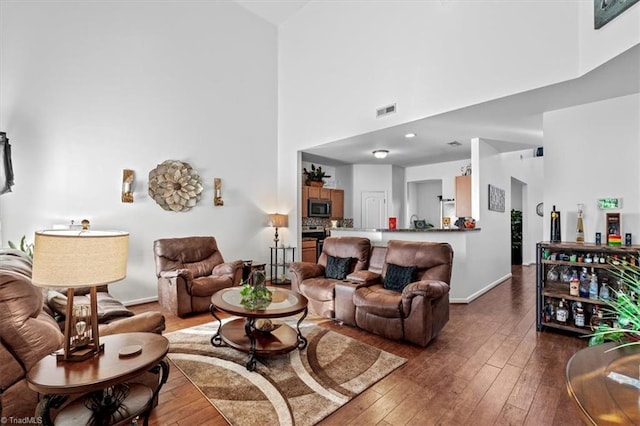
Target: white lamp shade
278, 220
72, 258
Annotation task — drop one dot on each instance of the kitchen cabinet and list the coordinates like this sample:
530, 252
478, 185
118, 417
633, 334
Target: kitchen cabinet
337, 204
309, 249
316, 193
463, 196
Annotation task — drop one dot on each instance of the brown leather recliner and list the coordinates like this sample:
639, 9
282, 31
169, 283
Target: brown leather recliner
29, 332
310, 279
420, 310
189, 271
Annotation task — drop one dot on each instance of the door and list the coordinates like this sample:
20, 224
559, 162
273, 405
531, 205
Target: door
374, 209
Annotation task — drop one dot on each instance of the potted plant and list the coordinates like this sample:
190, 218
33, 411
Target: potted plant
254, 292
315, 176
621, 315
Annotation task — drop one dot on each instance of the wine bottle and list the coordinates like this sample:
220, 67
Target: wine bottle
555, 226
580, 225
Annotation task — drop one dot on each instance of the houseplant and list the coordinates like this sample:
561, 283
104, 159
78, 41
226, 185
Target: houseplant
622, 313
254, 292
315, 176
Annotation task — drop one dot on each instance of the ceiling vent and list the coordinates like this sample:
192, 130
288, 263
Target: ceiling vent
454, 143
386, 110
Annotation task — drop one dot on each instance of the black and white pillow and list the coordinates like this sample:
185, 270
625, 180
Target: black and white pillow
338, 267
397, 277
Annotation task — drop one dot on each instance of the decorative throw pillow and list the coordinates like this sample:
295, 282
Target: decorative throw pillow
338, 267
398, 277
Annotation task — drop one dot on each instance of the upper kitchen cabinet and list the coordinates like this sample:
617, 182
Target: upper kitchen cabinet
317, 193
337, 204
463, 196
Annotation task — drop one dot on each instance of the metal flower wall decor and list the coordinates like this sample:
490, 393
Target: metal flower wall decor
175, 186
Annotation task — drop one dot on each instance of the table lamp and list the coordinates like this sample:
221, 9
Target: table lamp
278, 221
75, 259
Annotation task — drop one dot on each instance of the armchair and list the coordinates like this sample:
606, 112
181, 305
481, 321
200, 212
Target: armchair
419, 310
317, 281
189, 271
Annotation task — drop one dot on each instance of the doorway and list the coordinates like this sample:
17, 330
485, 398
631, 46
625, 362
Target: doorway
517, 188
374, 209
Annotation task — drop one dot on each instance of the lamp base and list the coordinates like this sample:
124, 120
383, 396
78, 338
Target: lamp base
76, 355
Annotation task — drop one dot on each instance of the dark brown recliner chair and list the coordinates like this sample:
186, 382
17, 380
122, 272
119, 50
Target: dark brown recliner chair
317, 283
417, 312
189, 271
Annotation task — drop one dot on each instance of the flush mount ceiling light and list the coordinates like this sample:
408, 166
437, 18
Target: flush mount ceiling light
410, 135
454, 143
380, 153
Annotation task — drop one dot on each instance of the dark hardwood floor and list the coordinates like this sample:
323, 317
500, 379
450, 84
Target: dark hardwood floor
489, 366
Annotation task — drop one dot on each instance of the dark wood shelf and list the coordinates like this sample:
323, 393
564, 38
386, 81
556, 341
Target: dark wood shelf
581, 330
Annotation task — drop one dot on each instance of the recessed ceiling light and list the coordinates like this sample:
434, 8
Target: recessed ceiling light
380, 153
410, 135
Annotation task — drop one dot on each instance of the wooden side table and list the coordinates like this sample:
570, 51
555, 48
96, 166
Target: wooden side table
98, 378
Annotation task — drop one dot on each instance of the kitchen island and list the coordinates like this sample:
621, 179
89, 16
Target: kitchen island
471, 275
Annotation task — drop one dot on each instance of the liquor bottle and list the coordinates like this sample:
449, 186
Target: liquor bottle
555, 226
574, 284
604, 290
562, 313
580, 225
583, 289
593, 286
549, 311
596, 318
578, 316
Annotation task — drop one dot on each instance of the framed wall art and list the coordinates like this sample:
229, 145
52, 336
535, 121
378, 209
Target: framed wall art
496, 199
606, 10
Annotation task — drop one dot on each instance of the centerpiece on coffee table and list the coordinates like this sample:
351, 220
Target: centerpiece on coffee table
255, 294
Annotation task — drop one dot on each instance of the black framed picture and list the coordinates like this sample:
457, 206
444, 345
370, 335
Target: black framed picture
606, 10
496, 199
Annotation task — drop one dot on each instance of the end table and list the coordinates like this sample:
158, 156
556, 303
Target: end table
103, 375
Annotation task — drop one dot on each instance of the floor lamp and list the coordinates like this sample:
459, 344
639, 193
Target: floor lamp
75, 259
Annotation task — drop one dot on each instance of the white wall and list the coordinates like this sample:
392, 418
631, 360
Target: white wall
91, 88
398, 207
592, 151
598, 46
423, 201
339, 61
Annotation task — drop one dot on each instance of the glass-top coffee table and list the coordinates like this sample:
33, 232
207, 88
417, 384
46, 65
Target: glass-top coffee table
242, 334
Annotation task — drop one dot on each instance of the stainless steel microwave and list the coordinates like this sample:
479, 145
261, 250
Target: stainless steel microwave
319, 208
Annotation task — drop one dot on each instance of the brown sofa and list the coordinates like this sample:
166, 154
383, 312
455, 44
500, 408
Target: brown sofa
415, 313
313, 281
29, 331
189, 271
419, 310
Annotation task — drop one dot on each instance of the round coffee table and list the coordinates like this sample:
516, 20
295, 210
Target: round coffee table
594, 376
241, 333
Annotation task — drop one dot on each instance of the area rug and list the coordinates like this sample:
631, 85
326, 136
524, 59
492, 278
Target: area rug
298, 388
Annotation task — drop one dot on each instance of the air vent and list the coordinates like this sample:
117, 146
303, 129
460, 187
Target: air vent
454, 143
385, 110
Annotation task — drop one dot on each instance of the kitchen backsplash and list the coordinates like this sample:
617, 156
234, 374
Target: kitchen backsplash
319, 221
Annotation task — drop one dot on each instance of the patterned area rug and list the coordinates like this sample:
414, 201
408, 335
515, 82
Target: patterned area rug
298, 388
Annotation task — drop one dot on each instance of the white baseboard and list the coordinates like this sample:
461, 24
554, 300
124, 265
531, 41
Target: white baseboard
480, 292
140, 301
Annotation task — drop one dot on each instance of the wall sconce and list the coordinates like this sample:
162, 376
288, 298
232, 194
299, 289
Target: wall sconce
217, 192
127, 186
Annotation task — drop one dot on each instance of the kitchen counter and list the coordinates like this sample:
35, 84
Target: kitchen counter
404, 229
